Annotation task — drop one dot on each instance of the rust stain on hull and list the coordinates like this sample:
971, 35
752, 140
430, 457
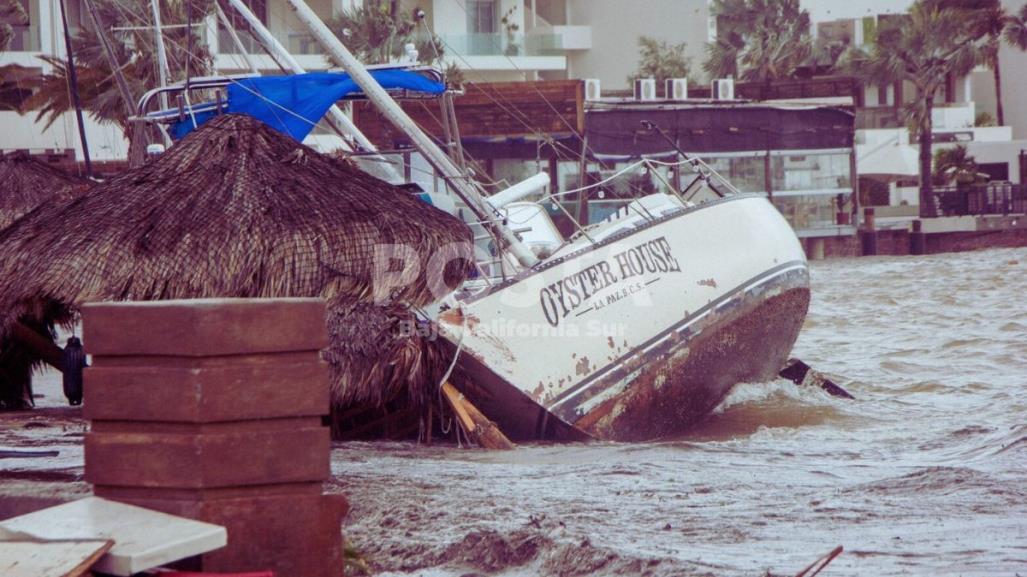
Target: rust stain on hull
683, 381
583, 367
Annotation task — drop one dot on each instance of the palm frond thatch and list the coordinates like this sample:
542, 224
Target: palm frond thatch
359, 333
26, 182
235, 210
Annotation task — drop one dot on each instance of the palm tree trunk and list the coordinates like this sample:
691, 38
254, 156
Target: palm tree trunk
997, 72
926, 190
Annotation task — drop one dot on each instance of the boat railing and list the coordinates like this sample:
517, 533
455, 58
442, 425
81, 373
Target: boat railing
210, 94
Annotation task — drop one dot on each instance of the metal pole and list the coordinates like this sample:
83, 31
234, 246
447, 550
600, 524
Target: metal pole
392, 111
336, 117
73, 80
162, 57
108, 51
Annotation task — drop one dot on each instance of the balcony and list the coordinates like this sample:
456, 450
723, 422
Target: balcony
298, 43
957, 116
542, 41
567, 37
877, 117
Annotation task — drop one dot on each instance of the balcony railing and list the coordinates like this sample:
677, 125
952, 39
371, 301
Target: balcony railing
298, 43
501, 44
875, 117
976, 200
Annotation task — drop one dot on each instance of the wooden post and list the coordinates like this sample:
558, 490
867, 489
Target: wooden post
218, 416
854, 181
917, 238
768, 172
868, 235
478, 427
582, 182
50, 353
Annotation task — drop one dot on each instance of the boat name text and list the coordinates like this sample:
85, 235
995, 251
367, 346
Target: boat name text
567, 294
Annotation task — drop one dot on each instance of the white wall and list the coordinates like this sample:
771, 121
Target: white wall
21, 132
1005, 152
616, 26
449, 17
1014, 80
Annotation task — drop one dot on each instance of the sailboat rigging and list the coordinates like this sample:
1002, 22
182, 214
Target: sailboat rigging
631, 329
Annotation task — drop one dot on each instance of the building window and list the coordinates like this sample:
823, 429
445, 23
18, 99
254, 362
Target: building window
811, 172
482, 16
226, 45
806, 212
18, 22
746, 173
259, 9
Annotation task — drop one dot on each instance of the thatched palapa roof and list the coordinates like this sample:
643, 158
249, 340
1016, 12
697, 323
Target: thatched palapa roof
236, 209
26, 182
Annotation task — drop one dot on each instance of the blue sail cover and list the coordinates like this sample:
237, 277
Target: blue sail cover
294, 104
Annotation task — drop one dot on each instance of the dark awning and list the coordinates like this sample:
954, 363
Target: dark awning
616, 129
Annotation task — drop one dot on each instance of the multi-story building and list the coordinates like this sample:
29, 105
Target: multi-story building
510, 40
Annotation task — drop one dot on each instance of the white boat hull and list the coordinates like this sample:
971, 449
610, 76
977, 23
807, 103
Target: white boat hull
637, 335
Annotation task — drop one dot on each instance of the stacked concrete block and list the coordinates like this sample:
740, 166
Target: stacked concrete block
214, 410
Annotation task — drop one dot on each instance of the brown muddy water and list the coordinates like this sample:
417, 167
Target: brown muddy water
924, 474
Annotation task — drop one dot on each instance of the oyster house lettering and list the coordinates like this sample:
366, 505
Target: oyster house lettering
571, 292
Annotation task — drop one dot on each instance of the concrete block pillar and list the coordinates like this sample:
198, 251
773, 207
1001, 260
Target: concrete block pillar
213, 410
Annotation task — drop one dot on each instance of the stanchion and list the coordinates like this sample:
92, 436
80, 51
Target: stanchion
868, 234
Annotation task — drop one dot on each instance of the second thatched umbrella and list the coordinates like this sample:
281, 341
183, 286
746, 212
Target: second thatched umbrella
26, 182
234, 210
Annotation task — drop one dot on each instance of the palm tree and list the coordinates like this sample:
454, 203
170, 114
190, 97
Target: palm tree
377, 31
924, 48
1015, 32
989, 20
758, 40
955, 165
992, 20
134, 49
661, 60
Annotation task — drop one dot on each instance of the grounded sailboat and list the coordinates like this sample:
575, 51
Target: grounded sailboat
640, 330
632, 329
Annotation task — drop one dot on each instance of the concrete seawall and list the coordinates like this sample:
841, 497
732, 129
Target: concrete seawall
948, 234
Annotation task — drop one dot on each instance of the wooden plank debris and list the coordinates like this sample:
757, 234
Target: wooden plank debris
478, 427
25, 454
60, 558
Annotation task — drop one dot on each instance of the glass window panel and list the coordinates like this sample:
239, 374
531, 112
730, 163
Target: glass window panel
744, 173
482, 17
568, 174
810, 172
510, 171
810, 211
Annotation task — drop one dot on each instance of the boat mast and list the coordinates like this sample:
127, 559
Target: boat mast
73, 81
162, 56
376, 164
391, 110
